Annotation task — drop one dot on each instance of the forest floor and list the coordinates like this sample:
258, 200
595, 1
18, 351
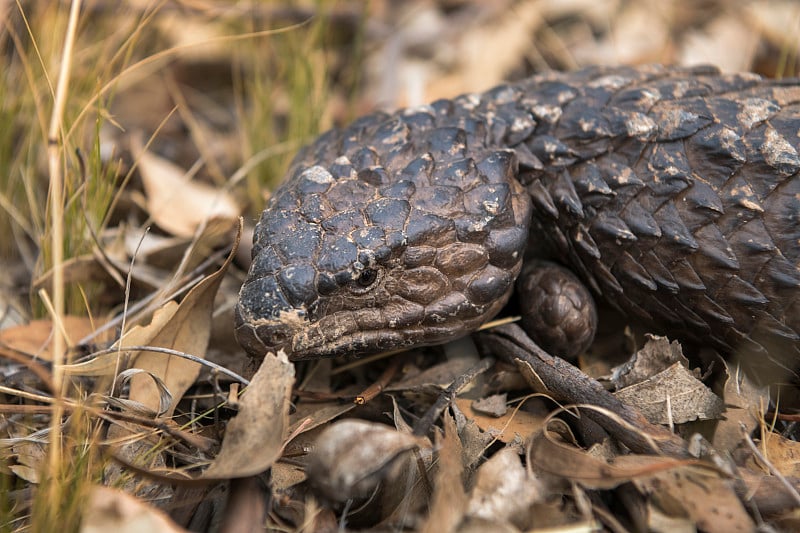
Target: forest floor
136, 135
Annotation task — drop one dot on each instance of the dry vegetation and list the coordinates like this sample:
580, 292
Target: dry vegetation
135, 134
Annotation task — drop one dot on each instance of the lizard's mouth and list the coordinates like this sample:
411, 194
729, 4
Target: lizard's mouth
261, 336
356, 331
346, 332
307, 346
334, 335
265, 321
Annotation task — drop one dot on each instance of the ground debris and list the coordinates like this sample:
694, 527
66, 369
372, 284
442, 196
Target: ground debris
161, 403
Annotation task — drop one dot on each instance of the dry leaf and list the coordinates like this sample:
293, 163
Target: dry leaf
434, 378
156, 253
310, 415
254, 439
185, 327
486, 52
657, 381
659, 522
770, 495
140, 449
449, 502
198, 41
475, 441
406, 495
479, 525
177, 204
657, 354
673, 396
504, 491
744, 400
782, 453
778, 21
552, 455
505, 428
637, 34
400, 423
132, 406
112, 510
34, 337
102, 365
702, 494
494, 405
285, 475
29, 458
728, 42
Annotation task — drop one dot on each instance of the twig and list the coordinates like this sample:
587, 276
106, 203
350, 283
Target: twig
128, 280
39, 369
169, 351
376, 388
566, 383
424, 424
790, 489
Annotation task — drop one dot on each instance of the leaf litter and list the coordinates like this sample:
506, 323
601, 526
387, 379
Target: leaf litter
663, 442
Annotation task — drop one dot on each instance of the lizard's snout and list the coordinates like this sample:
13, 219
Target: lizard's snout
265, 320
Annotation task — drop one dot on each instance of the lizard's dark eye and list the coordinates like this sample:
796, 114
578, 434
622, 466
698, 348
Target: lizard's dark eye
367, 277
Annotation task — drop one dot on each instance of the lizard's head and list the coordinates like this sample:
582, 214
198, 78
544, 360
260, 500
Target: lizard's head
353, 262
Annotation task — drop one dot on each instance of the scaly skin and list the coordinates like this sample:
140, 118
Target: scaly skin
672, 192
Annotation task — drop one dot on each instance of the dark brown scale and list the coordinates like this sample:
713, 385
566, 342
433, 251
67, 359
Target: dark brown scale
673, 193
557, 309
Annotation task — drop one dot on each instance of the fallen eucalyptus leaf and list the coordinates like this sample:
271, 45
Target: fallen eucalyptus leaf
110, 509
504, 491
449, 502
185, 327
178, 204
254, 439
673, 396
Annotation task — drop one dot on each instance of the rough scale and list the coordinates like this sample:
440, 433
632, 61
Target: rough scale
673, 193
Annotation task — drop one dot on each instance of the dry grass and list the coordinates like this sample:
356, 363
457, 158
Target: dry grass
64, 65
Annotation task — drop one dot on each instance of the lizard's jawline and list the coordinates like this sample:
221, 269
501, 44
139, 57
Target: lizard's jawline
365, 342
357, 344
316, 340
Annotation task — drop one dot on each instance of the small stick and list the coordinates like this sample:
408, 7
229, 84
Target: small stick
566, 383
376, 388
424, 424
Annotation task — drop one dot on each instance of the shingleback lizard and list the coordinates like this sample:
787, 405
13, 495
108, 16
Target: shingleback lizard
673, 193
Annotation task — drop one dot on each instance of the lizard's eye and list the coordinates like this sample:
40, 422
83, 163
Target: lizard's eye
367, 277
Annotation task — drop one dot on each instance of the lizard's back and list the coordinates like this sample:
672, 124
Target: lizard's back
677, 198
